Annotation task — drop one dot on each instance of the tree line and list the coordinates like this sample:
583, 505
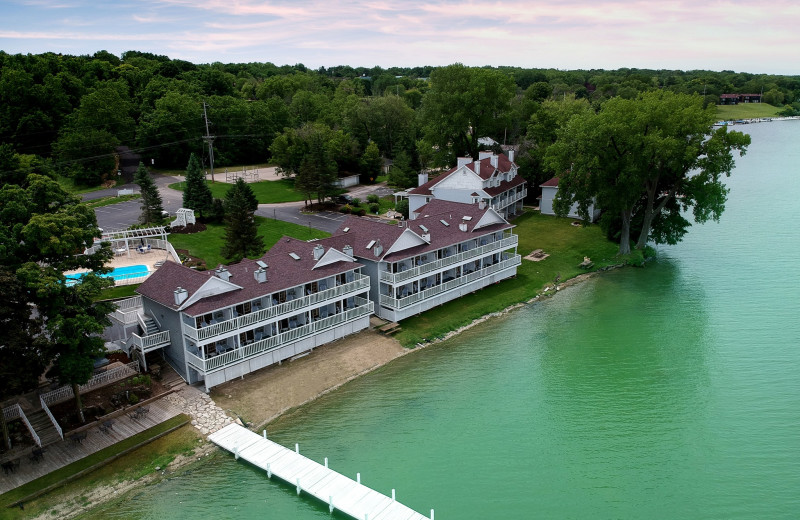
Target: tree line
70, 113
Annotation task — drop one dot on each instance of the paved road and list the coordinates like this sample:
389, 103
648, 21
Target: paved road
124, 214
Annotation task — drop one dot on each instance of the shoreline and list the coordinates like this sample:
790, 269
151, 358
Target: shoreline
104, 496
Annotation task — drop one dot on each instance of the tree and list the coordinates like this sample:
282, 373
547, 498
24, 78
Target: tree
197, 194
308, 154
655, 156
371, 163
401, 174
152, 207
241, 231
42, 228
462, 105
23, 353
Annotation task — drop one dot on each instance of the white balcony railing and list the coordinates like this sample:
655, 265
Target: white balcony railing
254, 318
399, 303
364, 308
395, 278
150, 341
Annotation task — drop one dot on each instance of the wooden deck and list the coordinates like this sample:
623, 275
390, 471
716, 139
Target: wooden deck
338, 491
65, 452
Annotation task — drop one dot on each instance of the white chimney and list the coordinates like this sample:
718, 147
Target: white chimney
223, 273
348, 250
318, 251
463, 227
260, 275
476, 167
493, 160
482, 204
180, 296
422, 178
484, 154
378, 249
511, 155
463, 161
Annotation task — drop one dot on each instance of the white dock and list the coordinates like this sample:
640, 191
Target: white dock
339, 492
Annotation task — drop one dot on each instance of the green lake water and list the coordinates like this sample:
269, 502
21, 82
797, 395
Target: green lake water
671, 391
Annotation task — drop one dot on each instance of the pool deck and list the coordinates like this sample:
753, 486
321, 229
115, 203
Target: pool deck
132, 257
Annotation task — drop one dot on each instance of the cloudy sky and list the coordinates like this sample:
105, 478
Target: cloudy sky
567, 34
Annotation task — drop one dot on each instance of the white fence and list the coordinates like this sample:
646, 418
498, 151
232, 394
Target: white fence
103, 378
15, 411
52, 419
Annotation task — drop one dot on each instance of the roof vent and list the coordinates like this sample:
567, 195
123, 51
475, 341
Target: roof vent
260, 275
445, 223
426, 237
180, 296
294, 256
371, 243
345, 230
423, 228
318, 251
261, 264
348, 250
223, 273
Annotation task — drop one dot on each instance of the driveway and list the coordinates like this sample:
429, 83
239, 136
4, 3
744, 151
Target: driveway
125, 214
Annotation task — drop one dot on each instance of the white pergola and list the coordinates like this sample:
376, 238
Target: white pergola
126, 236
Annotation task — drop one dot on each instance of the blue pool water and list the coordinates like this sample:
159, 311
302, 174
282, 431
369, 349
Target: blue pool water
120, 273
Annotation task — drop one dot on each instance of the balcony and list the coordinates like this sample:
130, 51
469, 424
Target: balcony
364, 307
395, 278
254, 318
399, 303
150, 341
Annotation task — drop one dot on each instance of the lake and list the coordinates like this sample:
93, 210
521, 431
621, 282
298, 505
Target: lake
671, 391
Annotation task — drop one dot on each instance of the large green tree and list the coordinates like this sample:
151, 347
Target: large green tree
43, 231
655, 157
241, 230
197, 194
463, 105
152, 205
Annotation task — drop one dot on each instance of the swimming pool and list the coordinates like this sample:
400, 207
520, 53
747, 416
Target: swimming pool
120, 273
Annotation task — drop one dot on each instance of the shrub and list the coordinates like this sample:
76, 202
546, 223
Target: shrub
374, 208
133, 398
360, 212
402, 208
356, 201
372, 198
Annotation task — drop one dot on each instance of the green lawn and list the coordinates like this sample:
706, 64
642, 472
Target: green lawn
566, 245
119, 291
746, 111
267, 192
207, 244
113, 199
130, 466
69, 185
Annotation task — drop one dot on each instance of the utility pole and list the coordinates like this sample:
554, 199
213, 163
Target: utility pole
210, 140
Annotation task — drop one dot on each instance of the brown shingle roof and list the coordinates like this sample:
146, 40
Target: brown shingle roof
283, 272
550, 183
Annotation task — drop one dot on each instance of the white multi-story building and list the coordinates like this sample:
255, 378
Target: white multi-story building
218, 325
449, 250
492, 179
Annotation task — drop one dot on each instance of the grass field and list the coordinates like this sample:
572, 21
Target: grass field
267, 192
207, 244
746, 111
566, 245
69, 185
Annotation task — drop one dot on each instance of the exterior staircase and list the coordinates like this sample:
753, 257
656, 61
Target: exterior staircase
152, 328
43, 427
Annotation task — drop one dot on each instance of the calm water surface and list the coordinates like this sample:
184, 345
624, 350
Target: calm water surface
666, 392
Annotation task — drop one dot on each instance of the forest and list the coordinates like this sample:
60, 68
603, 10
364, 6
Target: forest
67, 115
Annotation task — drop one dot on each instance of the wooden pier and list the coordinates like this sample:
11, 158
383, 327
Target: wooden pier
339, 492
